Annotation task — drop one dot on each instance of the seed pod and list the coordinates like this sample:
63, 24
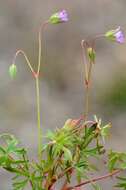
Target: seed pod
91, 54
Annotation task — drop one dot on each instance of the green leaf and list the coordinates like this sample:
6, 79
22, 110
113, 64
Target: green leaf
2, 150
105, 130
123, 165
20, 185
67, 154
2, 160
12, 146
96, 186
116, 160
122, 183
93, 151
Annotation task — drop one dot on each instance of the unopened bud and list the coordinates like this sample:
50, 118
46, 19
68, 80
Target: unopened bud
71, 123
13, 71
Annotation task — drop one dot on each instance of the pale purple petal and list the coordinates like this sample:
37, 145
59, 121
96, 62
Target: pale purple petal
63, 16
119, 35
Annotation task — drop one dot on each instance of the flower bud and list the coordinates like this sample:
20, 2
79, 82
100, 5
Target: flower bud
59, 17
71, 123
91, 54
115, 35
67, 123
13, 71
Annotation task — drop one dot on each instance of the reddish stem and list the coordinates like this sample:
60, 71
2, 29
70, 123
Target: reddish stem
96, 179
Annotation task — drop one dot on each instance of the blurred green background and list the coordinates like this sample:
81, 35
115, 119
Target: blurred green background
62, 90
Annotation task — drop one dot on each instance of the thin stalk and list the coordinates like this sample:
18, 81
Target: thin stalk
26, 58
84, 59
87, 91
87, 70
38, 90
38, 118
42, 27
87, 102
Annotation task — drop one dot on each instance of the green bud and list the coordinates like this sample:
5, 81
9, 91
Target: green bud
54, 19
110, 35
13, 71
91, 54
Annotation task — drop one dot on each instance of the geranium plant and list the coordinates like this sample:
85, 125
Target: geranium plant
69, 150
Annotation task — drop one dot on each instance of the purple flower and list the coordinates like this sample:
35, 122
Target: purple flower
63, 16
116, 35
59, 17
119, 35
